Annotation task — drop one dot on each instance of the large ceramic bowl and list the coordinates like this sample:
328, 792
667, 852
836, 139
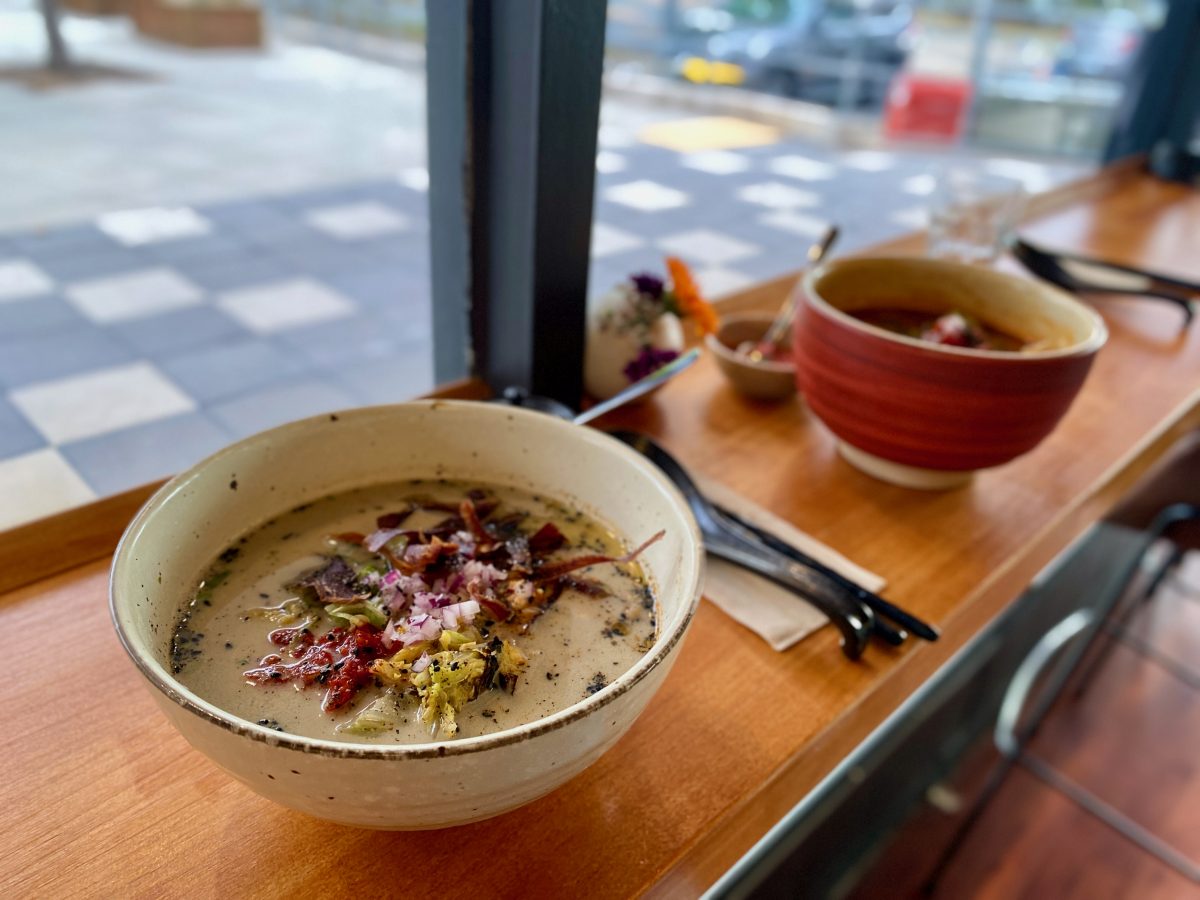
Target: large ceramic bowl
191, 519
926, 415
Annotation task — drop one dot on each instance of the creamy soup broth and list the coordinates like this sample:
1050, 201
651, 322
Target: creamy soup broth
579, 644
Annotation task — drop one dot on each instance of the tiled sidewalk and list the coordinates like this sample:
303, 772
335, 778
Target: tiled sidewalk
192, 126
132, 346
740, 216
286, 272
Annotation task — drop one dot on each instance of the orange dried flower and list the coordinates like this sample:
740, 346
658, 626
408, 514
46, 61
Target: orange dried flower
687, 296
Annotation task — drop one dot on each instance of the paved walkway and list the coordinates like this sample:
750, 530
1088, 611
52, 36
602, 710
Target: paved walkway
241, 239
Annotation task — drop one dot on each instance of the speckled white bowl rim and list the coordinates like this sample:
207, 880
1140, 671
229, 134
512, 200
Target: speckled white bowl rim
158, 676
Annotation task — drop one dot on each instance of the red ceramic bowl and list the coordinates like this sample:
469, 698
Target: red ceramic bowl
927, 415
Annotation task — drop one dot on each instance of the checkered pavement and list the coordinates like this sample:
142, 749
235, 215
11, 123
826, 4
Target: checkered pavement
135, 344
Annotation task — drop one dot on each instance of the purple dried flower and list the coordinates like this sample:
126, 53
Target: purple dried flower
648, 284
650, 359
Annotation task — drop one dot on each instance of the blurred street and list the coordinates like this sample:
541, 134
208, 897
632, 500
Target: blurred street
218, 241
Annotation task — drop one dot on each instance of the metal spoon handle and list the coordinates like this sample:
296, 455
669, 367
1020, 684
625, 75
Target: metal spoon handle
640, 387
783, 319
787, 312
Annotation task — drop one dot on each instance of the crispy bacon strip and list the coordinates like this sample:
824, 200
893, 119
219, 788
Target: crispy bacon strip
546, 539
419, 557
485, 507
391, 520
470, 516
544, 596
585, 586
558, 569
495, 608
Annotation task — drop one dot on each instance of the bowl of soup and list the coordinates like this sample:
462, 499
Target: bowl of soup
928, 371
412, 616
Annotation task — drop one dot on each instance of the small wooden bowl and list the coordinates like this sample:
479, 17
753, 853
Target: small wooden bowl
766, 380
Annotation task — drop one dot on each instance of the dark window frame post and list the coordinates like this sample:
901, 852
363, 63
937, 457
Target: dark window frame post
1162, 92
514, 108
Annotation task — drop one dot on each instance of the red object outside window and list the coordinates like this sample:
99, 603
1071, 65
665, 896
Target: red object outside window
921, 106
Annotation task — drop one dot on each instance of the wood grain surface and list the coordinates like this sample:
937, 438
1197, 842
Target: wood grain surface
34, 551
101, 797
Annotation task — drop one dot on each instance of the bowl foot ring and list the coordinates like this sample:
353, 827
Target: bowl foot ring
901, 474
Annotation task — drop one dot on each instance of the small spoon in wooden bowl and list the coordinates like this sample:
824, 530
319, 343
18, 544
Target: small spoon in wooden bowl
768, 347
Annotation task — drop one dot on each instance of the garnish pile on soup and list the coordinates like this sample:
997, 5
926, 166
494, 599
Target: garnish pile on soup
415, 611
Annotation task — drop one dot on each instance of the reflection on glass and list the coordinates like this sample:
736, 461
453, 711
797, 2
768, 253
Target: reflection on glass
971, 213
213, 220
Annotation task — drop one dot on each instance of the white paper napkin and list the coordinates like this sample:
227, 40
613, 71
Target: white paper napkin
780, 617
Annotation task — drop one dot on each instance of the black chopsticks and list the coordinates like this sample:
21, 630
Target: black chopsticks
856, 612
881, 607
1056, 268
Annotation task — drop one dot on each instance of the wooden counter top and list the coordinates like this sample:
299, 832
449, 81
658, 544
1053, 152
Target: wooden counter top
101, 796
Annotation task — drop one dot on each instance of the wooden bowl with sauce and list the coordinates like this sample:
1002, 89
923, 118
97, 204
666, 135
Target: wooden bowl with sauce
929, 415
768, 379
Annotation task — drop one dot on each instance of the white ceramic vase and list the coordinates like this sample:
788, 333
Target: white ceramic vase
619, 329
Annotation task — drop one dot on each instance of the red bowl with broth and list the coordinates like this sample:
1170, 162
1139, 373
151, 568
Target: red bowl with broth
928, 415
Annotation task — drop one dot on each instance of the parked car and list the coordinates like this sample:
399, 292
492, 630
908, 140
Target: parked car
797, 48
1101, 46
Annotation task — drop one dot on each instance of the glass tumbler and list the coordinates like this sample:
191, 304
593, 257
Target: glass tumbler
971, 214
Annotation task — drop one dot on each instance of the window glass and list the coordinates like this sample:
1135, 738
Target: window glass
734, 131
213, 221
198, 242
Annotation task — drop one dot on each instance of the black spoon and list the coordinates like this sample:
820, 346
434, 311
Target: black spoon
727, 541
882, 607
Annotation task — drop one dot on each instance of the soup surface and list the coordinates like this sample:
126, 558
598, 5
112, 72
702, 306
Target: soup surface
416, 611
952, 329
